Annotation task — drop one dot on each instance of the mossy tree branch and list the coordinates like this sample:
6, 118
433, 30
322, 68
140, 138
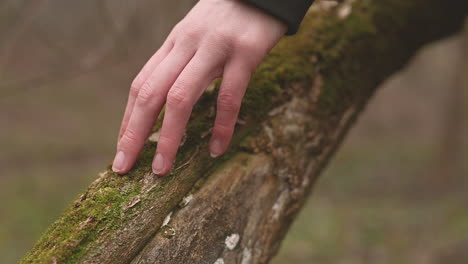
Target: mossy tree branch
237, 208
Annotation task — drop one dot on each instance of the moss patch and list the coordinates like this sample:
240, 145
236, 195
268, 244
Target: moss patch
98, 209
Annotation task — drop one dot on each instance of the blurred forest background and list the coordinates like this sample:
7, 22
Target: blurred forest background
396, 192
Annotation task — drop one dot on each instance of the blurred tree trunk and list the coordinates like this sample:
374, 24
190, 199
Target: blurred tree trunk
237, 208
449, 162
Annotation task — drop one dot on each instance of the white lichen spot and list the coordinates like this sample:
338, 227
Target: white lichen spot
349, 114
132, 203
278, 110
155, 136
246, 256
186, 200
168, 231
206, 132
269, 132
211, 87
102, 174
167, 219
345, 10
85, 223
278, 207
323, 5
241, 122
308, 173
293, 131
262, 169
183, 139
232, 240
219, 261
149, 182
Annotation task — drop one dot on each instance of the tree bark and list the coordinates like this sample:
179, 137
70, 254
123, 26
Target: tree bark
237, 208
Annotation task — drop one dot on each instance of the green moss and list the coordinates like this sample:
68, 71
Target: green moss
97, 210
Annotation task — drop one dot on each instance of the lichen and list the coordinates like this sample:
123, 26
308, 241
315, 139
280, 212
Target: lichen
231, 241
219, 261
185, 201
167, 219
246, 256
167, 231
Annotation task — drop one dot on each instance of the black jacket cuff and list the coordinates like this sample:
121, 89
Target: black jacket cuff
291, 12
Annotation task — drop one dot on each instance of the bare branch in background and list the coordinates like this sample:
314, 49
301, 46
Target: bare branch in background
13, 88
449, 160
27, 14
107, 21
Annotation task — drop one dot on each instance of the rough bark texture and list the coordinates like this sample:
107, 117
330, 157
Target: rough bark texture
237, 208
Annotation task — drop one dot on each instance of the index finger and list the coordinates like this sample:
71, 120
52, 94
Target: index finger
189, 86
140, 79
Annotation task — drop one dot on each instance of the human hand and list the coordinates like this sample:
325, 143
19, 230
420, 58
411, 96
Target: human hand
217, 38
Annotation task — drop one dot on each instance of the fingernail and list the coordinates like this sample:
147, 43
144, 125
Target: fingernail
158, 165
215, 148
119, 162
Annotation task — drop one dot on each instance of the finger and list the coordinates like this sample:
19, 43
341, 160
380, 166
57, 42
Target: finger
199, 73
147, 106
235, 80
140, 79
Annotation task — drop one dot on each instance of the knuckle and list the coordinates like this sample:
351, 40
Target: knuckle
190, 36
250, 51
220, 43
246, 45
227, 103
123, 127
134, 90
138, 81
129, 138
144, 94
177, 28
165, 141
223, 130
177, 98
135, 86
221, 37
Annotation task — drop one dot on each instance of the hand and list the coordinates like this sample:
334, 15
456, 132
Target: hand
217, 38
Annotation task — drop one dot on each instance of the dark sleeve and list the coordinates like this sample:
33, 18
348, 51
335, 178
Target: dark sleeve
291, 12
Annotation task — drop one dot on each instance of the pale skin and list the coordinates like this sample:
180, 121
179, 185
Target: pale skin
217, 38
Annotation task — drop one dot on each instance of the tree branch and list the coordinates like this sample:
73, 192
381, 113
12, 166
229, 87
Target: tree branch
300, 104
